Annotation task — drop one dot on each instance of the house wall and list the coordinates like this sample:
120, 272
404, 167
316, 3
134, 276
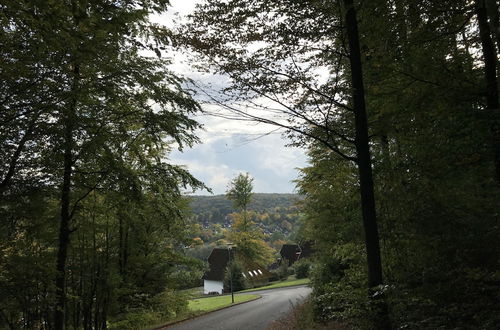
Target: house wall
212, 286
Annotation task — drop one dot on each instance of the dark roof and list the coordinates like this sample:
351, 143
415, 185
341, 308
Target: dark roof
291, 252
218, 261
253, 271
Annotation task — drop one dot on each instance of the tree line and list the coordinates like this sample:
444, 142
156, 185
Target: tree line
92, 223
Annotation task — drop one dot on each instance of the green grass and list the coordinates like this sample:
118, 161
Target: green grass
213, 303
193, 293
281, 284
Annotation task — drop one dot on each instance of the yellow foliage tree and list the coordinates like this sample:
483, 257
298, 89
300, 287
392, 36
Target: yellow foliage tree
249, 239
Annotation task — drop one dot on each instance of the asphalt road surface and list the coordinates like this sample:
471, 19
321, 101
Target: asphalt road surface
257, 314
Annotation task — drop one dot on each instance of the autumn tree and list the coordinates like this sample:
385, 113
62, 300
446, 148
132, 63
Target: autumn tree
244, 232
239, 192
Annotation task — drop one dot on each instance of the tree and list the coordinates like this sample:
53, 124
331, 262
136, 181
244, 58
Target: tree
240, 191
84, 112
294, 42
244, 232
234, 272
249, 239
430, 144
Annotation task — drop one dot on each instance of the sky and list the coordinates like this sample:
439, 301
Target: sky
229, 147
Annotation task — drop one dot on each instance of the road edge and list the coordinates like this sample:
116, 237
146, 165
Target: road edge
165, 326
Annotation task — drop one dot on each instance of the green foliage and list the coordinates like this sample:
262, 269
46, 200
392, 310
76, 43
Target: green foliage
240, 191
166, 306
283, 271
249, 240
86, 123
302, 268
234, 273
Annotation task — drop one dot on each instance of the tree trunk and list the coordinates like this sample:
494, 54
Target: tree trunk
494, 15
490, 74
64, 226
365, 168
5, 182
363, 151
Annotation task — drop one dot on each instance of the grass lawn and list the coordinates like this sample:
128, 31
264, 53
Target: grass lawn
213, 303
281, 284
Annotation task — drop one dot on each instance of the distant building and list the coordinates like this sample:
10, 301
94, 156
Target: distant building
213, 280
293, 252
290, 253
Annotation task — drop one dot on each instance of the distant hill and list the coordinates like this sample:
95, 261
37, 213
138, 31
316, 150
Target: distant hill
219, 206
277, 214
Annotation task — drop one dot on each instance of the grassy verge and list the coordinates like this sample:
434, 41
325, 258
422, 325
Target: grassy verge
214, 303
193, 292
281, 284
197, 307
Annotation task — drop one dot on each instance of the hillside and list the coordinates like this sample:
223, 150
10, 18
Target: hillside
214, 209
276, 214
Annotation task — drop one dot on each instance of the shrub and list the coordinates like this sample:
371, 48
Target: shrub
161, 308
283, 271
302, 268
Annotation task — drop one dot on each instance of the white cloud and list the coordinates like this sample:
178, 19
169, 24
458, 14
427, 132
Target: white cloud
231, 146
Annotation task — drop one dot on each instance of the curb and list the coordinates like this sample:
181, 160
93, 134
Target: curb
165, 326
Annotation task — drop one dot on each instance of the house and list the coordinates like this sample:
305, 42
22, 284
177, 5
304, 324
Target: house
290, 252
294, 252
213, 280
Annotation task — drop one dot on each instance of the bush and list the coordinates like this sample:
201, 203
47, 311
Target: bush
283, 271
161, 308
302, 268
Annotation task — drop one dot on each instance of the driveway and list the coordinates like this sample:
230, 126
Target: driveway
257, 314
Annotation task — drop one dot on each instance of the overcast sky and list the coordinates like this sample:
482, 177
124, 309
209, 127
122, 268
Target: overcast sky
229, 147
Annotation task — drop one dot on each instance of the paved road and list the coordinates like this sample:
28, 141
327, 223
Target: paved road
257, 314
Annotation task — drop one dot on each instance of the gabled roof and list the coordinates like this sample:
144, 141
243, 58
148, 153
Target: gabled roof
291, 252
253, 271
307, 249
217, 262
219, 259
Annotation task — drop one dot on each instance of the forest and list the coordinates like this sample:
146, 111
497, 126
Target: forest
395, 101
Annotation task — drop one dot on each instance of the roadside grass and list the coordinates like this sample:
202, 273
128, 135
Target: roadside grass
193, 293
280, 284
197, 307
213, 303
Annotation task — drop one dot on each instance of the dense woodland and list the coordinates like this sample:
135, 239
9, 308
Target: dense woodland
396, 102
91, 215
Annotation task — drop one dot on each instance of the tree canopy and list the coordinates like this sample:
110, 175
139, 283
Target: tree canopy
240, 191
88, 113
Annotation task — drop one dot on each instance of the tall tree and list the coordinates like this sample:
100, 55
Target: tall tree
240, 192
244, 232
88, 111
490, 59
